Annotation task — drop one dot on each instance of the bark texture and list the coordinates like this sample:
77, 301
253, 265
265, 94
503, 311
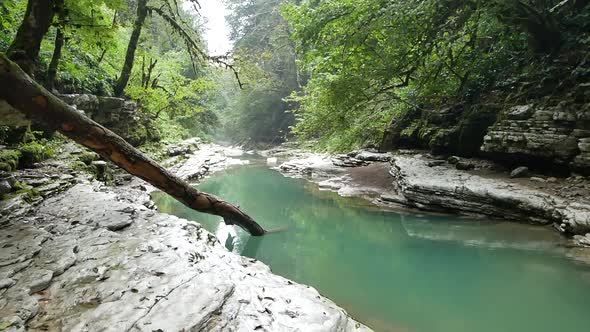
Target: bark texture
24, 94
24, 49
142, 12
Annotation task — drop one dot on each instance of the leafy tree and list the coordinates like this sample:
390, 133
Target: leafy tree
266, 56
373, 60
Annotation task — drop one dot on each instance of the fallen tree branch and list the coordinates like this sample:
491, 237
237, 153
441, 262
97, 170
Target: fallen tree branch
22, 93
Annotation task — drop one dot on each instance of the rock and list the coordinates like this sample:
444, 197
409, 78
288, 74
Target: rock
272, 160
343, 160
552, 179
50, 189
445, 189
5, 187
8, 178
18, 307
6, 283
103, 172
117, 114
520, 172
521, 112
37, 280
181, 150
372, 156
464, 165
538, 179
551, 135
435, 163
453, 160
20, 244
163, 274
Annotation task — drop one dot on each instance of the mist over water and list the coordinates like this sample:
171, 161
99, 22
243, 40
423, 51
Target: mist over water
398, 271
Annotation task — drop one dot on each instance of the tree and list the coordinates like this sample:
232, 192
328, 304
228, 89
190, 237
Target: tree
24, 49
371, 61
266, 56
58, 45
169, 11
142, 12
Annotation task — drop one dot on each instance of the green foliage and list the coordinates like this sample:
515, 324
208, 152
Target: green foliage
88, 157
9, 160
372, 59
29, 192
268, 68
11, 13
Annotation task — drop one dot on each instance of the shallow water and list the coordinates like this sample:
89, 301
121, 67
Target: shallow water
403, 272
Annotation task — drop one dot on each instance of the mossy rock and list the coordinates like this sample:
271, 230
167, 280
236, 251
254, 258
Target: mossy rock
33, 153
24, 189
88, 157
9, 160
5, 167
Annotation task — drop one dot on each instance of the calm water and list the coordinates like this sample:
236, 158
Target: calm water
403, 272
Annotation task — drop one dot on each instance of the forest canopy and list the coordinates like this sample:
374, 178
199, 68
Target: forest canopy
336, 72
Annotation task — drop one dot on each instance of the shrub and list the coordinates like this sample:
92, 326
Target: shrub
34, 152
9, 160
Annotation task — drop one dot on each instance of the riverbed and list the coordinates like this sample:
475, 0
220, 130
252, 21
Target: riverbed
401, 271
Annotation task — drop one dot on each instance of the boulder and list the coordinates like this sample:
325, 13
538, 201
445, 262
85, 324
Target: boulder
5, 187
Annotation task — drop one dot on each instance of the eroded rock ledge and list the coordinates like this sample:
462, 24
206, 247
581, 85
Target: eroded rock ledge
442, 188
97, 258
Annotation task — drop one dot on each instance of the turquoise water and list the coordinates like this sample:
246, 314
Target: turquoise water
403, 272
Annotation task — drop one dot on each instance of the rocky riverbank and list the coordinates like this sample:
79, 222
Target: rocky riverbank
79, 255
411, 179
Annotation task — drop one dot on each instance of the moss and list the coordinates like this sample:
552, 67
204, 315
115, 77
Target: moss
24, 189
9, 159
33, 153
88, 157
80, 166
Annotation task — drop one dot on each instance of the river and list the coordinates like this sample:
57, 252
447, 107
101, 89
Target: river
399, 271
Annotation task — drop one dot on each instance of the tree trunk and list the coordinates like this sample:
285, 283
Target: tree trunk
24, 49
22, 93
52, 69
142, 11
58, 45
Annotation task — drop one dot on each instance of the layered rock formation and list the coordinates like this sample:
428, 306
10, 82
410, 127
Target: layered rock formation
551, 132
441, 188
557, 135
117, 114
